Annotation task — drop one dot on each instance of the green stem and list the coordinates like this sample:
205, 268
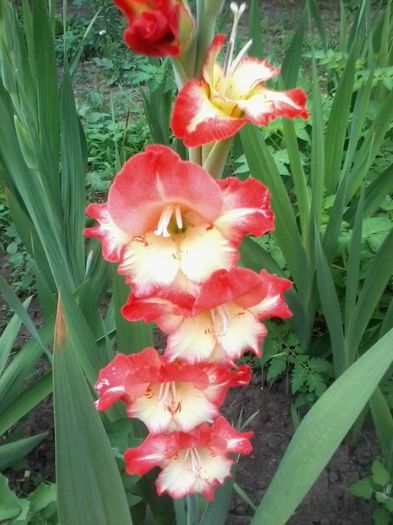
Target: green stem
192, 510
195, 155
217, 158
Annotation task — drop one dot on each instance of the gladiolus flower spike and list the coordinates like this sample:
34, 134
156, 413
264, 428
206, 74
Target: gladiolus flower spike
157, 27
215, 107
169, 225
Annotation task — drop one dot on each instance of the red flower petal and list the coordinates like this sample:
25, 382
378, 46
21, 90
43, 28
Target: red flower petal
273, 303
113, 380
246, 209
197, 121
151, 309
113, 239
228, 287
235, 441
154, 179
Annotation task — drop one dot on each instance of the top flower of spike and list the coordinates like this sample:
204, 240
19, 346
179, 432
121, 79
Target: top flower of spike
226, 98
157, 27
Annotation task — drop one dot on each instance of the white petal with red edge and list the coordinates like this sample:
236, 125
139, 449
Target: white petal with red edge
266, 105
197, 121
150, 261
182, 476
248, 74
204, 250
193, 340
148, 409
244, 333
195, 407
113, 239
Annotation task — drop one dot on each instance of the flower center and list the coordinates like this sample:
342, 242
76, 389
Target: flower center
171, 212
167, 396
195, 460
221, 320
230, 63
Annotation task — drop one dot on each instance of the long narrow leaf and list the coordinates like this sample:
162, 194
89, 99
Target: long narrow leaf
331, 308
321, 432
89, 487
10, 453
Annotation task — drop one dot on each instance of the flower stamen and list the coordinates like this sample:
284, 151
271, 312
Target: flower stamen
165, 220
237, 13
221, 320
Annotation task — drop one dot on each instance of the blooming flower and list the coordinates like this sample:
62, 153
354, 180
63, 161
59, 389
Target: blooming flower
157, 27
194, 462
224, 320
226, 98
169, 224
167, 396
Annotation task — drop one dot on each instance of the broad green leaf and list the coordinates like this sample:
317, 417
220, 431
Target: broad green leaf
10, 453
321, 432
89, 487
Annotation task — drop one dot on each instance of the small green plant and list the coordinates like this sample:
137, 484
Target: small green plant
310, 376
377, 487
39, 508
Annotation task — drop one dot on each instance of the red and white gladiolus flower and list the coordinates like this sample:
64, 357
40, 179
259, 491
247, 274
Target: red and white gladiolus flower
196, 462
216, 106
224, 319
170, 225
167, 395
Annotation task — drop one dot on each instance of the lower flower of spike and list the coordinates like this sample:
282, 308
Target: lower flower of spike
222, 322
167, 396
196, 462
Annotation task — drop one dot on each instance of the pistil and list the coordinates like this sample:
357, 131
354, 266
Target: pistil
237, 13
